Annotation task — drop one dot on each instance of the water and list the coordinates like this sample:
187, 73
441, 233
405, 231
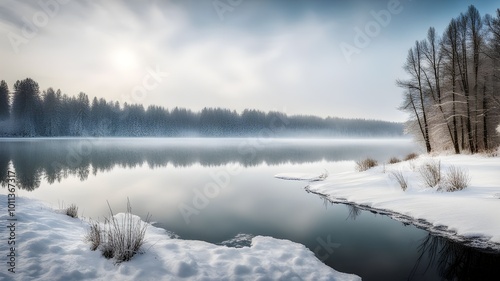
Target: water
215, 189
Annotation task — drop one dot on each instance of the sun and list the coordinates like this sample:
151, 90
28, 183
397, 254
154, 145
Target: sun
124, 59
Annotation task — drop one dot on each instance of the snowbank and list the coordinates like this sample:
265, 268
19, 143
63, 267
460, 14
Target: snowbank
50, 246
301, 177
470, 216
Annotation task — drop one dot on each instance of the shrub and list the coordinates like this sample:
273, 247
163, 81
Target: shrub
121, 237
431, 173
410, 156
72, 211
456, 179
94, 235
394, 160
492, 152
401, 179
366, 164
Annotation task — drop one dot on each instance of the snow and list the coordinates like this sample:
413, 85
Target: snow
469, 216
300, 176
51, 246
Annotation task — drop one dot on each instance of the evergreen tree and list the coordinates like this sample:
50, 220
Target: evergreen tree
26, 108
51, 113
4, 101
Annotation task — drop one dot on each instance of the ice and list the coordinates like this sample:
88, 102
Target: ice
301, 176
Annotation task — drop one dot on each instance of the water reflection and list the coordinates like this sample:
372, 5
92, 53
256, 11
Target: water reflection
4, 165
55, 159
354, 212
439, 258
455, 261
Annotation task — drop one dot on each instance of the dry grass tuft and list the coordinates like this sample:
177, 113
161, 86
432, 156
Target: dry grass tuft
72, 211
431, 173
121, 237
365, 164
94, 235
456, 179
400, 178
410, 156
394, 160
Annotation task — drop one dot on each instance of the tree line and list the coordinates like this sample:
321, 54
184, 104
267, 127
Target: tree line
453, 87
28, 113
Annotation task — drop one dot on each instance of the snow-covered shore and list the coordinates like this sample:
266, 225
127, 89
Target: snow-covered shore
470, 216
50, 246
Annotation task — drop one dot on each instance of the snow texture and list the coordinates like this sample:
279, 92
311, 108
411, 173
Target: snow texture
51, 246
300, 177
469, 216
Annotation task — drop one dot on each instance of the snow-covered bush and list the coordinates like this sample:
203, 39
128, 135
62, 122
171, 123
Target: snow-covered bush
120, 237
455, 179
492, 152
363, 165
431, 173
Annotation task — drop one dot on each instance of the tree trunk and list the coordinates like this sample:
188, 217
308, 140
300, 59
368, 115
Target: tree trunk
485, 124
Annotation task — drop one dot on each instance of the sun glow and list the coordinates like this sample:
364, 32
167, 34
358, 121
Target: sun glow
124, 59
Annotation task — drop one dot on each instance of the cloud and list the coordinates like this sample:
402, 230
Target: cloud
264, 55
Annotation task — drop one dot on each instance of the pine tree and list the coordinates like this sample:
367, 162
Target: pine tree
4, 101
26, 108
52, 113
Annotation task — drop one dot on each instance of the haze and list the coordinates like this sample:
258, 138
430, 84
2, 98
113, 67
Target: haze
267, 55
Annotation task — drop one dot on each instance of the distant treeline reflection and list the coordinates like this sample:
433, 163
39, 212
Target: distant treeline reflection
52, 160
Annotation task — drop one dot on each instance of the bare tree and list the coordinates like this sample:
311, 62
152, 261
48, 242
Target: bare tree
432, 73
449, 46
453, 93
464, 76
492, 90
415, 99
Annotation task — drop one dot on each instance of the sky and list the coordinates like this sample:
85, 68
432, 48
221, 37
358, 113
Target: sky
325, 58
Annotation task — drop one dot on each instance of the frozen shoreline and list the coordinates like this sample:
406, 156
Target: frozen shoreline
478, 242
50, 246
469, 216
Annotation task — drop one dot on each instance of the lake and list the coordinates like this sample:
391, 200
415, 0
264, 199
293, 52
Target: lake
224, 191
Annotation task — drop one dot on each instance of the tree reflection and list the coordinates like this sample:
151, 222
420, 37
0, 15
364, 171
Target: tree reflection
4, 167
455, 261
55, 159
354, 212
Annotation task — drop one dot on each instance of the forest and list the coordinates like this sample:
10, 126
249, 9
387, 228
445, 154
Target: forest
452, 89
28, 113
